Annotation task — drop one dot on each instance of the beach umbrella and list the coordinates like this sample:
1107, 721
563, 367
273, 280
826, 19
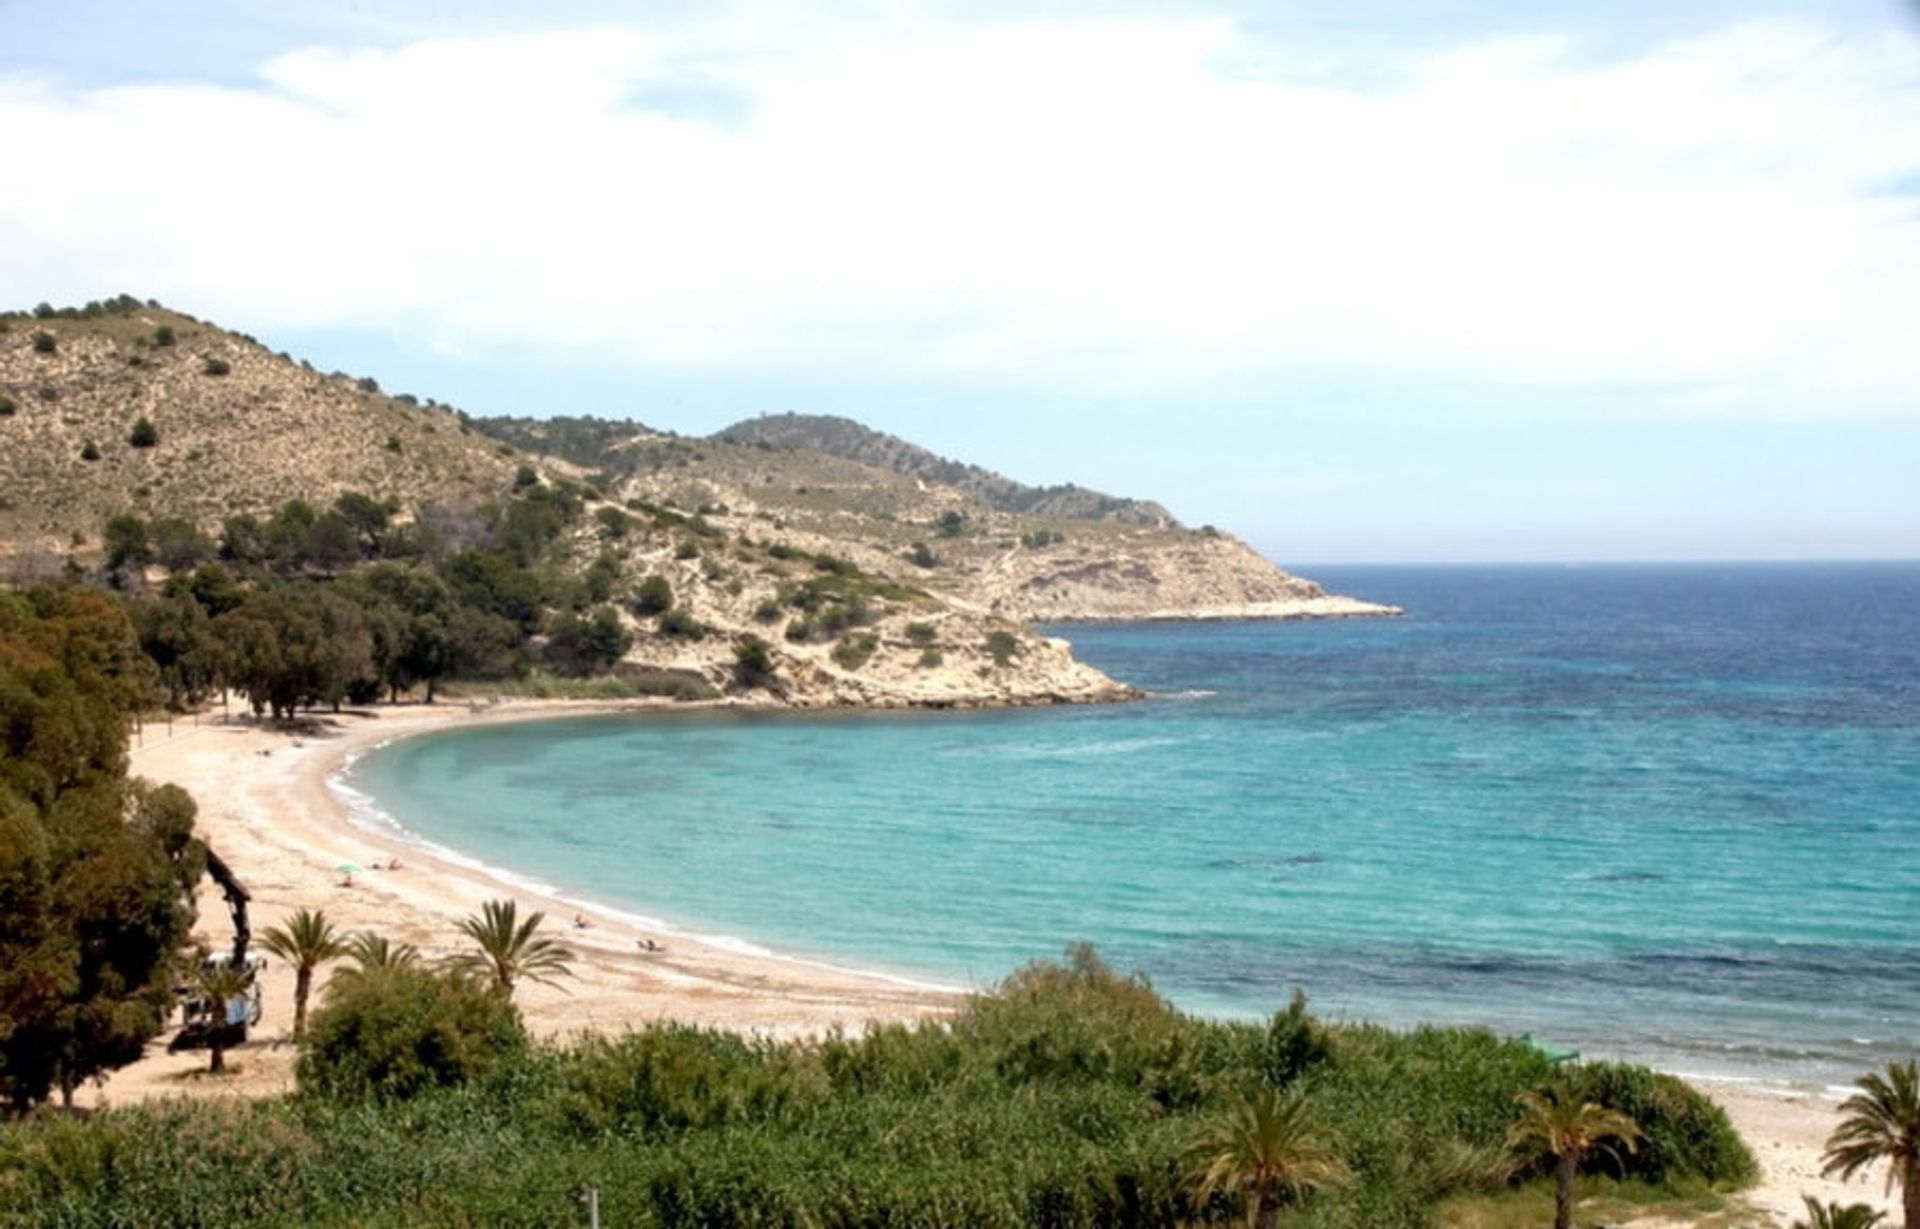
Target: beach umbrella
348, 869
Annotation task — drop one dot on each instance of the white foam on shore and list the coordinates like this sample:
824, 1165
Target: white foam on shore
365, 813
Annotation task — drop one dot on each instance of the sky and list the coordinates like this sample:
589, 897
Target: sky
1385, 280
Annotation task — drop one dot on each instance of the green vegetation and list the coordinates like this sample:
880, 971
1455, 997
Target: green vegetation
655, 596
1837, 1216
96, 870
510, 950
1881, 1122
163, 336
921, 634
854, 652
89, 451
305, 942
932, 659
1557, 1122
7, 406
45, 342
752, 662
1070, 1096
216, 367
1004, 646
144, 434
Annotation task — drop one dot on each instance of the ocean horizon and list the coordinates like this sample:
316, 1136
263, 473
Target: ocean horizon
1660, 812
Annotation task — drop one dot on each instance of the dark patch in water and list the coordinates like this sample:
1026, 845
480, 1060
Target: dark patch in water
1630, 877
1298, 859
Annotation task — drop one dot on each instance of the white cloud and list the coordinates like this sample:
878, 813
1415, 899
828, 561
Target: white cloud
1083, 207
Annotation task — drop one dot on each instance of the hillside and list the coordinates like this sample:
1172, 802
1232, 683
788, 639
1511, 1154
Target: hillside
869, 570
844, 438
236, 429
834, 485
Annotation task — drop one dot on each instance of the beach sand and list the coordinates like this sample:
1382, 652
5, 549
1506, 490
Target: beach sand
265, 805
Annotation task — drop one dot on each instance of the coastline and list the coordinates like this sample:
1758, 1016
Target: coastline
267, 805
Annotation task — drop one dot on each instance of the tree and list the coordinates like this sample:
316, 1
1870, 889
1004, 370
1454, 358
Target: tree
1881, 1122
1557, 1122
511, 950
588, 646
178, 544
305, 942
368, 516
218, 984
96, 871
1266, 1151
128, 545
1836, 1216
374, 955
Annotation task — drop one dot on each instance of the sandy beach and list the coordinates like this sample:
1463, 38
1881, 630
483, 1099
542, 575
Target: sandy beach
266, 806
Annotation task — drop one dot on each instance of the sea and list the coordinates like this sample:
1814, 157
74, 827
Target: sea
1664, 813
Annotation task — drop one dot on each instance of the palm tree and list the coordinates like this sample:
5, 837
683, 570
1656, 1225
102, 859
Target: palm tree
510, 950
304, 942
1556, 1121
1882, 1123
373, 954
1266, 1150
219, 983
1834, 1216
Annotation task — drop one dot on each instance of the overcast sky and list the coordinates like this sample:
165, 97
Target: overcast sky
1381, 280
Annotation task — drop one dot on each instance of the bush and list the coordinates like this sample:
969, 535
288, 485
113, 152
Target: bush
216, 367
89, 451
855, 651
1295, 1043
686, 550
144, 434
922, 556
921, 633
1004, 646
681, 625
752, 661
44, 342
1686, 1134
767, 612
393, 445
7, 407
398, 1032
951, 523
654, 596
932, 659
163, 336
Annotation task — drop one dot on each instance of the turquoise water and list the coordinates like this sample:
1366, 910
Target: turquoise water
1663, 813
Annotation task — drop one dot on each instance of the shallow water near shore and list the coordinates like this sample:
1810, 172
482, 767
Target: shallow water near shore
1665, 813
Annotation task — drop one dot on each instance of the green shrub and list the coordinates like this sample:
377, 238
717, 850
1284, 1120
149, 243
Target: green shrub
932, 659
216, 366
752, 662
1686, 1134
89, 451
45, 342
7, 406
921, 633
1295, 1043
144, 434
1004, 646
922, 556
393, 444
855, 651
163, 336
401, 1031
686, 550
678, 623
767, 612
655, 595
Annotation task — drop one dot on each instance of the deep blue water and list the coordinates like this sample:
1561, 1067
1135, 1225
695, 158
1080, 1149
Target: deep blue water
1665, 812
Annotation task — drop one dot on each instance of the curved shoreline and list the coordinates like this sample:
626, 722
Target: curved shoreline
266, 804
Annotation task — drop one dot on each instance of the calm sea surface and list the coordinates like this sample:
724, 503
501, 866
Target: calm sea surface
1669, 813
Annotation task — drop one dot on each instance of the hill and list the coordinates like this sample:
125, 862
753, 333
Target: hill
842, 437
867, 570
235, 428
